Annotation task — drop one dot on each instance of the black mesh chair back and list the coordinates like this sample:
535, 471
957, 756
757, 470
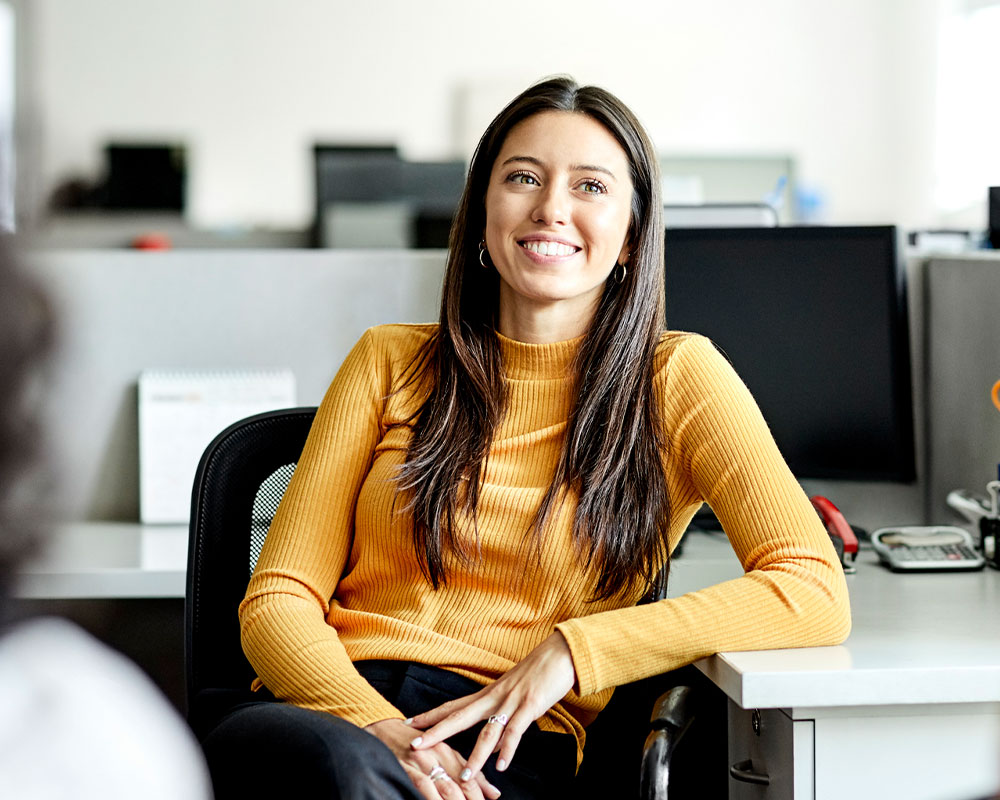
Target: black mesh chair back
239, 483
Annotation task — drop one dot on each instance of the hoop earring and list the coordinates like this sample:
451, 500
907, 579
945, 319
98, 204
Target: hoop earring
482, 251
620, 280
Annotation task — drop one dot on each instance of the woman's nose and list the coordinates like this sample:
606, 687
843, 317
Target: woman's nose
552, 207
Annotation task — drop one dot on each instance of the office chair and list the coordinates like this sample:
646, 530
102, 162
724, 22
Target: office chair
239, 483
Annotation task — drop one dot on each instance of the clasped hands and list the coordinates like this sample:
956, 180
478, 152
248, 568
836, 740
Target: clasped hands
510, 705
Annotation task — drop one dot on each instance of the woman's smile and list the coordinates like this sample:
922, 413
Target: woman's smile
545, 248
548, 251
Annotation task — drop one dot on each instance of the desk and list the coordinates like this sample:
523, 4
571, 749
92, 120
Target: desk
908, 707
122, 582
98, 560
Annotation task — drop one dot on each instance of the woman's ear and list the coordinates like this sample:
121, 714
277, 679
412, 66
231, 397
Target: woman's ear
626, 251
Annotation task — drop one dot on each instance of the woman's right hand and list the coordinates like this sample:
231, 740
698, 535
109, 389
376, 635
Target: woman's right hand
420, 764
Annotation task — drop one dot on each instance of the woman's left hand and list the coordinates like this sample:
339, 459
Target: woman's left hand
520, 696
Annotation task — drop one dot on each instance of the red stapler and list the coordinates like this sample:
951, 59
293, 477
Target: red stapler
844, 540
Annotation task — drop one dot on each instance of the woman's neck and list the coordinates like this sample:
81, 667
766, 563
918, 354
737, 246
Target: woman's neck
544, 323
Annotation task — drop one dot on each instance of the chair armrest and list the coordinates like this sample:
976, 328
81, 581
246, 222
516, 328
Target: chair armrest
672, 715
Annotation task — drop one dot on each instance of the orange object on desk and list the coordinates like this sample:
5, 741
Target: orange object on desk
151, 241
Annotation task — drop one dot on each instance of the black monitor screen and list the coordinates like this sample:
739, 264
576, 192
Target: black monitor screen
356, 173
814, 320
147, 177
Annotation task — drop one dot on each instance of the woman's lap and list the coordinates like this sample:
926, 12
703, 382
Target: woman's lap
267, 749
264, 746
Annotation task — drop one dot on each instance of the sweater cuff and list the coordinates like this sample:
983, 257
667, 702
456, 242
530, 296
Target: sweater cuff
376, 715
372, 709
583, 662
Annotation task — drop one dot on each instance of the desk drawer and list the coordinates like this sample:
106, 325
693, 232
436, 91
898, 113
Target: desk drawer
771, 756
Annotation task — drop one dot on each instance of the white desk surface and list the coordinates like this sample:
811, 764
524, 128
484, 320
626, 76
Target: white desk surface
930, 638
917, 639
109, 560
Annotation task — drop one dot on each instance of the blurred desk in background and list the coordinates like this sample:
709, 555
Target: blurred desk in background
109, 560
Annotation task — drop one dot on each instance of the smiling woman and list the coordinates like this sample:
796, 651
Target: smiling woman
557, 223
448, 592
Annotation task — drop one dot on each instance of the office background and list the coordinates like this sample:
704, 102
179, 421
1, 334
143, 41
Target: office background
858, 92
882, 106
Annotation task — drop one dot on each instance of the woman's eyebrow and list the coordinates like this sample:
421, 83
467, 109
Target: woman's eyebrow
574, 167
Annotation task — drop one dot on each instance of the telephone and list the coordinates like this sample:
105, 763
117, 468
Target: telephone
844, 539
927, 547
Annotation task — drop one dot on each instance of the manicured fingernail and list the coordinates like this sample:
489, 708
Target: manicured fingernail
417, 742
501, 765
408, 721
466, 774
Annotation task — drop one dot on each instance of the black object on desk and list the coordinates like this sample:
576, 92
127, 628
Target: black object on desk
989, 538
994, 217
149, 177
989, 527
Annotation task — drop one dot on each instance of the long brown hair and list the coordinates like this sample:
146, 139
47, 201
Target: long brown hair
611, 456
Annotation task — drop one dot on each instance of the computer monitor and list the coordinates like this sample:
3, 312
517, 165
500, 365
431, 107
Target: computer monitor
356, 173
435, 189
368, 196
350, 175
433, 186
145, 177
814, 319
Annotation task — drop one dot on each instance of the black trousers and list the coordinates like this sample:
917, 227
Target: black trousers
264, 748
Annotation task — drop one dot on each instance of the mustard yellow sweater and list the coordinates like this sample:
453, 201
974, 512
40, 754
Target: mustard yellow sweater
338, 580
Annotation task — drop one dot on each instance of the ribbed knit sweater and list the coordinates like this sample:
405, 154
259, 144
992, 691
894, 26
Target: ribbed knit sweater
338, 580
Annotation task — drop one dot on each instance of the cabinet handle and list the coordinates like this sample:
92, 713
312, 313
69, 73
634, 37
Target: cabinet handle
743, 772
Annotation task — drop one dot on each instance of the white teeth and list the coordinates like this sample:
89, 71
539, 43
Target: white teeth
549, 248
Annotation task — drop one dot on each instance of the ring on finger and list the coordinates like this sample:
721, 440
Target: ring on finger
438, 774
498, 719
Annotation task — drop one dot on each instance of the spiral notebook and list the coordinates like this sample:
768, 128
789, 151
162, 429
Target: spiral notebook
180, 412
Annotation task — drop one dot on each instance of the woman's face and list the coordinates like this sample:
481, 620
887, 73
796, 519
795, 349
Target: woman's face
558, 208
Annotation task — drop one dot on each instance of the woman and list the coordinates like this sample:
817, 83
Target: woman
481, 503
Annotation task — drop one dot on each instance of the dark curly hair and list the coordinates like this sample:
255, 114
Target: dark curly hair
26, 333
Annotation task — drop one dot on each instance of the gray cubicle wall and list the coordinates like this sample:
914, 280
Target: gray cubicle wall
123, 311
963, 362
120, 312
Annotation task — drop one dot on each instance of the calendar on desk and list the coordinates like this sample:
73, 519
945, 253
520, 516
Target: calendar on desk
180, 413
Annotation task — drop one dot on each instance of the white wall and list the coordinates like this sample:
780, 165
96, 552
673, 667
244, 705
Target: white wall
7, 93
846, 86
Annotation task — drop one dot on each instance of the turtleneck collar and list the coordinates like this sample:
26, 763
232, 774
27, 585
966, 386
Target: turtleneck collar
549, 361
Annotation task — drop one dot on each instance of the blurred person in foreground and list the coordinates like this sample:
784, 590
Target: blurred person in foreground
77, 720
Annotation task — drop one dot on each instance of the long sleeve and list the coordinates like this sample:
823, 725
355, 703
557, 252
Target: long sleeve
283, 618
793, 592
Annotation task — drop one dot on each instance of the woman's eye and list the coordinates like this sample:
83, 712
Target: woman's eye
522, 177
593, 186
